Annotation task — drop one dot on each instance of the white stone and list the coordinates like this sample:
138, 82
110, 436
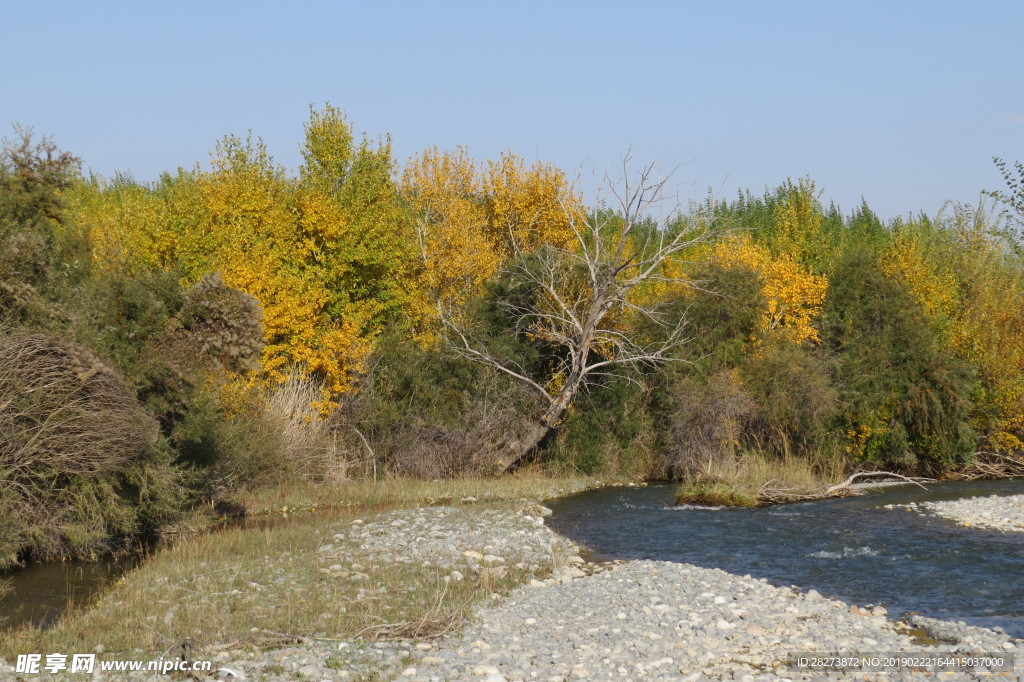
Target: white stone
482, 670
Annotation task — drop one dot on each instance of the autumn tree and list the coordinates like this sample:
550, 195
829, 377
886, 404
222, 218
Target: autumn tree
579, 291
444, 193
323, 253
966, 275
470, 220
794, 295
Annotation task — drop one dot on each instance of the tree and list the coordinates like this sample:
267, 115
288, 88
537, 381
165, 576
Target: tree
794, 295
470, 220
323, 253
33, 178
1013, 198
586, 301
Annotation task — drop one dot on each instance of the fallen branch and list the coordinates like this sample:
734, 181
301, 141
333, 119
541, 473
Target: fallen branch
988, 464
845, 485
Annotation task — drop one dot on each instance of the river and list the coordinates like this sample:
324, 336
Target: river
851, 549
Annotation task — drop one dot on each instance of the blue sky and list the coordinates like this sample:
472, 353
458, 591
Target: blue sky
903, 103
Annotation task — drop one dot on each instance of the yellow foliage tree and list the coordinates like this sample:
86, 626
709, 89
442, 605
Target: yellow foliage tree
798, 220
794, 294
119, 219
932, 283
527, 207
445, 196
963, 275
470, 221
324, 253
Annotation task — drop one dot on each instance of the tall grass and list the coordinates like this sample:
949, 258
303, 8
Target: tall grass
754, 478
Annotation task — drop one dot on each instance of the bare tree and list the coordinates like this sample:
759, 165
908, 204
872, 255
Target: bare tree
580, 295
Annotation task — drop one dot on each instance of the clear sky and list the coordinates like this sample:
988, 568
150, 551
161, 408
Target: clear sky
903, 103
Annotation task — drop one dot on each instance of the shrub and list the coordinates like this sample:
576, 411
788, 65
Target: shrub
427, 414
906, 399
609, 430
722, 316
705, 421
32, 178
217, 328
264, 434
124, 317
743, 387
80, 460
793, 396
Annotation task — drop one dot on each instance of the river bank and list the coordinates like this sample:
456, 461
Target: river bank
484, 592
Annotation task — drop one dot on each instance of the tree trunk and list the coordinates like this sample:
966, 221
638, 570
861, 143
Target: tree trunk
528, 441
521, 446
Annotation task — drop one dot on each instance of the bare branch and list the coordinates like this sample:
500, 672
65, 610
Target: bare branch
477, 353
578, 298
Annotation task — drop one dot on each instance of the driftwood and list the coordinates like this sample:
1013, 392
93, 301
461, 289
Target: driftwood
987, 464
845, 485
773, 492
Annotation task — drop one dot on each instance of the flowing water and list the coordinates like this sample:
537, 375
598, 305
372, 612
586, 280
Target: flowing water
851, 549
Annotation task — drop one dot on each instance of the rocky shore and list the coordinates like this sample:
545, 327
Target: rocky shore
1003, 513
575, 620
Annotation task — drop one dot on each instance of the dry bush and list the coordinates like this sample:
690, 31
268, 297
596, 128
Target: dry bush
278, 437
491, 420
68, 427
706, 423
63, 411
218, 327
430, 452
308, 439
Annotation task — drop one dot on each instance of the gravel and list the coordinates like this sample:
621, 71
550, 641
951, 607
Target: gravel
668, 621
995, 512
632, 620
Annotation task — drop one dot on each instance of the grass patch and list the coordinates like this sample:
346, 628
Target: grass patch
270, 586
713, 494
403, 492
754, 479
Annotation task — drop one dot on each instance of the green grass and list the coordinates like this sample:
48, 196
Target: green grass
713, 494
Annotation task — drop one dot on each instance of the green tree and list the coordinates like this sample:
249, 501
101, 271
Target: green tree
33, 178
906, 398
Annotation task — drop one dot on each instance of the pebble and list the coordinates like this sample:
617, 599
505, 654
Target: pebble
995, 512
